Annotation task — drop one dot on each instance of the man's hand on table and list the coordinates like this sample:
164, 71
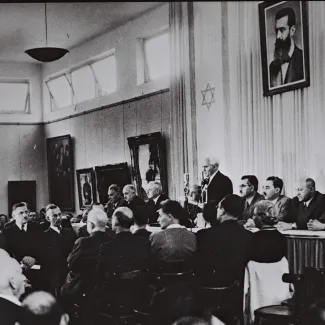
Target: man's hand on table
281, 226
315, 225
250, 224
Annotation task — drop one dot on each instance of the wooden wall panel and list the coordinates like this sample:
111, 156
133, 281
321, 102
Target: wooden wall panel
94, 139
130, 127
113, 136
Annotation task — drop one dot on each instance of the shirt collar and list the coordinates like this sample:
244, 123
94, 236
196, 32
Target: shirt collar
156, 199
274, 201
175, 225
249, 200
55, 229
210, 178
22, 227
13, 299
308, 202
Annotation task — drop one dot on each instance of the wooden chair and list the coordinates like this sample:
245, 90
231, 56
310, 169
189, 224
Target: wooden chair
122, 312
308, 287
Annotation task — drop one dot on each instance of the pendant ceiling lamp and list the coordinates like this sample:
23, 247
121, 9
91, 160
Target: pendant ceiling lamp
46, 54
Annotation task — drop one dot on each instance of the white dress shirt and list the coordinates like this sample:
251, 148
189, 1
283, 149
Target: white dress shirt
55, 229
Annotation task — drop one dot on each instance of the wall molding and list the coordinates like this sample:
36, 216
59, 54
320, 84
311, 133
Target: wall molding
122, 102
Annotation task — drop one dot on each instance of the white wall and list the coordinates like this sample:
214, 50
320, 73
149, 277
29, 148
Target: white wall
124, 41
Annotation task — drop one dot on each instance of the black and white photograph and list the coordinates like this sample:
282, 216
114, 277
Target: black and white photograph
284, 45
162, 163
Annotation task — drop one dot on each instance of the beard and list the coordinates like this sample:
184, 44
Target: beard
281, 50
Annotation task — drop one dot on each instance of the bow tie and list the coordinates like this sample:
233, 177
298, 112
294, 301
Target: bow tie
206, 181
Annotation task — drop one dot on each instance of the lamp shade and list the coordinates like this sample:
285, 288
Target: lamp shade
47, 54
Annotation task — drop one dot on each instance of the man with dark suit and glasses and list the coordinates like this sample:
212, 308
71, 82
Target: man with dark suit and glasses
115, 200
287, 65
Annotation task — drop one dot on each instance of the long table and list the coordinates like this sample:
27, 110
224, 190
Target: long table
304, 248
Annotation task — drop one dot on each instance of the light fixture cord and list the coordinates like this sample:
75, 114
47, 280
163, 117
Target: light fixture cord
45, 25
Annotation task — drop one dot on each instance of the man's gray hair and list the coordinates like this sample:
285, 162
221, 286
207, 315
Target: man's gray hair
130, 187
98, 218
214, 161
157, 185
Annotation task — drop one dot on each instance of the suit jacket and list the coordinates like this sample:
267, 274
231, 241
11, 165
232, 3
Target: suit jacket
219, 187
9, 312
295, 71
154, 207
82, 261
315, 210
56, 249
110, 208
136, 202
143, 233
173, 246
225, 248
249, 211
283, 208
19, 243
124, 253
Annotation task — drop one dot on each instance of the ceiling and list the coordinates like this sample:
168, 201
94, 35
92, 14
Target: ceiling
22, 25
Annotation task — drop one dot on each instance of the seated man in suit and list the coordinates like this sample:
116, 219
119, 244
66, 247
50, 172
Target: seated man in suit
12, 287
22, 237
215, 185
225, 249
156, 196
124, 253
131, 198
42, 308
57, 244
272, 193
308, 208
140, 222
248, 191
115, 200
173, 248
82, 260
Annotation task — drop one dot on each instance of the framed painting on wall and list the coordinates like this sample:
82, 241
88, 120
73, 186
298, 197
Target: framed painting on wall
148, 156
87, 191
284, 46
107, 175
60, 172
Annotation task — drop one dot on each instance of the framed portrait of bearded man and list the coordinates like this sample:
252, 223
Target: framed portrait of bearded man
284, 45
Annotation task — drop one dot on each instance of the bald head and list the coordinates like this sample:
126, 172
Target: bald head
41, 307
97, 220
12, 279
210, 166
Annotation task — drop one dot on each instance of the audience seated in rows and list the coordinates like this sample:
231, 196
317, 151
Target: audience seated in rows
174, 246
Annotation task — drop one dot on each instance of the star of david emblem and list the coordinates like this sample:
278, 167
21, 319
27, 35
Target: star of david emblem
208, 96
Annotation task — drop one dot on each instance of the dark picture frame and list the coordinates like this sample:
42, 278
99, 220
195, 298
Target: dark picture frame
148, 159
280, 75
87, 191
107, 175
61, 172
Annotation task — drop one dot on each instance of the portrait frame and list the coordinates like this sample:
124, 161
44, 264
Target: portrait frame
107, 175
297, 72
90, 173
61, 172
154, 146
